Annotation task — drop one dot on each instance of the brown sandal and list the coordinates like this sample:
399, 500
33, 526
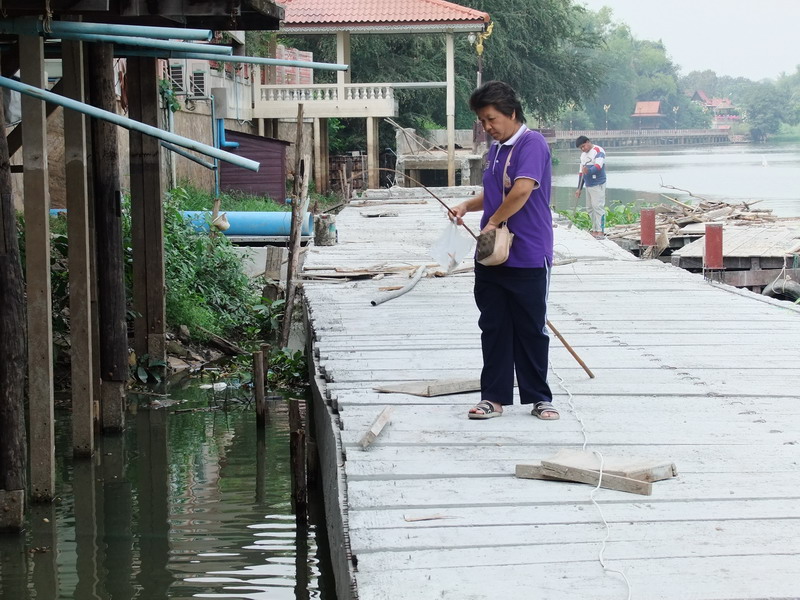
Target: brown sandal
489, 411
541, 408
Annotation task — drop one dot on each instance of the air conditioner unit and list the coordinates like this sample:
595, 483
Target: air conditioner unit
197, 85
176, 78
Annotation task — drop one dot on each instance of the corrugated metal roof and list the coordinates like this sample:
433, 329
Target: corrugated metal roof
384, 12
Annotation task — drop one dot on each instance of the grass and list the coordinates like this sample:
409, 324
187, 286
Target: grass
188, 197
616, 214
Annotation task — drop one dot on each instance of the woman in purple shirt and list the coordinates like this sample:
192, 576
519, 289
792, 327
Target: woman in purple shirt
512, 297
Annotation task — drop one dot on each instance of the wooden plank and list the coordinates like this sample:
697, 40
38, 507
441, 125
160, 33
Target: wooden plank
377, 426
605, 480
37, 269
80, 263
441, 387
642, 469
750, 576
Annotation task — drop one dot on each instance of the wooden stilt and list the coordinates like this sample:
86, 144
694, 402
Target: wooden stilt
113, 349
13, 365
258, 388
298, 458
37, 269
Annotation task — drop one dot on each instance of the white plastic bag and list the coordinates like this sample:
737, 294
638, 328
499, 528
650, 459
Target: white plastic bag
451, 247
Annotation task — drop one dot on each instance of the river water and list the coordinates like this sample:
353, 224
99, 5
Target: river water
190, 502
734, 173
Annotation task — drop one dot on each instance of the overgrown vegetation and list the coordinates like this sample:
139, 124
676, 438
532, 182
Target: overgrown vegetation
206, 287
616, 214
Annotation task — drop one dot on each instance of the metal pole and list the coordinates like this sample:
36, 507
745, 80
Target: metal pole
128, 123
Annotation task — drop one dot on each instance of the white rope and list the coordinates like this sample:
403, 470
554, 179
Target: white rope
600, 556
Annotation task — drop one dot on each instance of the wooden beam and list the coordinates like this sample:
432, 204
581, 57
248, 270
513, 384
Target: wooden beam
377, 426
113, 348
439, 387
13, 361
78, 232
37, 269
147, 220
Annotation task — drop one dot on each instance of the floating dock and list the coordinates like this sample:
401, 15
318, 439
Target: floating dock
687, 370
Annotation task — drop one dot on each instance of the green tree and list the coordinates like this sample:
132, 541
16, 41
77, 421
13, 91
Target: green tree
766, 108
537, 46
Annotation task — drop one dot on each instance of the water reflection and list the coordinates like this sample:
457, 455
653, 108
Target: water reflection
190, 502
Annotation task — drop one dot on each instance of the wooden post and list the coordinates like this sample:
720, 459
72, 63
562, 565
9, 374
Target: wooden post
298, 458
258, 388
37, 268
294, 236
648, 227
147, 220
713, 257
113, 348
272, 272
78, 231
13, 365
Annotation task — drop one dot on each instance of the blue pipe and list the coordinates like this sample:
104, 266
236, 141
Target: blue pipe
127, 40
183, 153
131, 124
253, 60
242, 222
34, 26
251, 223
223, 143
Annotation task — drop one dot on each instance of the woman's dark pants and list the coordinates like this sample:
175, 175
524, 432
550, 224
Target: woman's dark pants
513, 305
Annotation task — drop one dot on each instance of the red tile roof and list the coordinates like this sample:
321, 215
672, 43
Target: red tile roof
378, 12
648, 109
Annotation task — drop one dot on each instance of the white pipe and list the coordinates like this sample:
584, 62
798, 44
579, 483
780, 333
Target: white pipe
105, 115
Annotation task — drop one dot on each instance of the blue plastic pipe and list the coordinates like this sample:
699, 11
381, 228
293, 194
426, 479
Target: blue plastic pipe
251, 223
223, 143
253, 60
242, 222
128, 40
35, 25
155, 132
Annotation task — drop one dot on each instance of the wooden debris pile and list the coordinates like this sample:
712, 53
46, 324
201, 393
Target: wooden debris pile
625, 474
678, 223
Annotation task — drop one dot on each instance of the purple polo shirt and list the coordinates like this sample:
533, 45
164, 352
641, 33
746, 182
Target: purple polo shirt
532, 225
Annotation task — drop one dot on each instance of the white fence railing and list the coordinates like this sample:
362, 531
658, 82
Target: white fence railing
326, 92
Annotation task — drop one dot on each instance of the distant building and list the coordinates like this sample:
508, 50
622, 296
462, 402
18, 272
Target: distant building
724, 113
648, 115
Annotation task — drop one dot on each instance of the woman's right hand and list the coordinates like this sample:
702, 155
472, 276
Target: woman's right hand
457, 213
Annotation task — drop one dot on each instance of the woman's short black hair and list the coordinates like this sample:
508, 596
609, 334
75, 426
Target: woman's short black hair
500, 95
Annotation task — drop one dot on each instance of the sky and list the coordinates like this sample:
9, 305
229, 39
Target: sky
739, 38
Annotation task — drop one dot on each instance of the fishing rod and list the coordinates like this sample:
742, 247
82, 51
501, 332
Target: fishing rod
449, 210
